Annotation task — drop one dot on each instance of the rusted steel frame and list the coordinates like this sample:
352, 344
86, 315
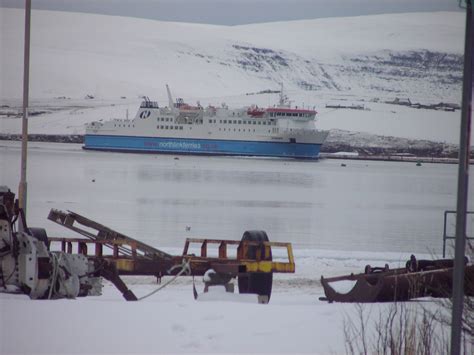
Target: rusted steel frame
398, 285
117, 246
109, 271
242, 262
205, 242
241, 249
135, 264
354, 277
144, 267
235, 266
104, 233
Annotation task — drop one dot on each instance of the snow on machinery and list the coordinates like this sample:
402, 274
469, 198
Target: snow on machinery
29, 265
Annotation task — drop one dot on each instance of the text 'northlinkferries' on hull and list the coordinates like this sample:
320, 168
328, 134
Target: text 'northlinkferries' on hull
280, 131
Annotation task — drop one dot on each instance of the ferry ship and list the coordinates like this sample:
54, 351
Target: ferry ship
280, 131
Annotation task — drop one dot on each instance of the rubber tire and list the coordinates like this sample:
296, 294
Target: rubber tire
259, 283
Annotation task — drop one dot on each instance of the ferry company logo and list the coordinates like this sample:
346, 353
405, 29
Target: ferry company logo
145, 114
172, 145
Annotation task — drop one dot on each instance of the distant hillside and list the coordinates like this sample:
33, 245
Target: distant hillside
415, 55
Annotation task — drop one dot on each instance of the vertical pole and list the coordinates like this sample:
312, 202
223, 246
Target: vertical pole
463, 179
22, 189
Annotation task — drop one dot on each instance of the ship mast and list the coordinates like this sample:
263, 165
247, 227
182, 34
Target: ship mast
283, 102
170, 98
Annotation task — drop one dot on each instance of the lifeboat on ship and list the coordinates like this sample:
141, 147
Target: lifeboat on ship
255, 111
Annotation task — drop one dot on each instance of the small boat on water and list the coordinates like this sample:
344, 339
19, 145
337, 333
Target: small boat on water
280, 131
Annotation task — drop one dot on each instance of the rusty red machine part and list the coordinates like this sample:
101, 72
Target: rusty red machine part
116, 254
420, 278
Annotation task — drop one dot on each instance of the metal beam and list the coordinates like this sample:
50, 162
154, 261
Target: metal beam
462, 193
22, 189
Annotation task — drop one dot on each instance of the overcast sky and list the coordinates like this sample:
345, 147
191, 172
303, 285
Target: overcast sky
233, 12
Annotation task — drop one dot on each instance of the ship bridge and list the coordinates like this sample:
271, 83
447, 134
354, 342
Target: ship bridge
291, 113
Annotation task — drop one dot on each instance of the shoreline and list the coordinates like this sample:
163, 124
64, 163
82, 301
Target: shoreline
390, 155
394, 158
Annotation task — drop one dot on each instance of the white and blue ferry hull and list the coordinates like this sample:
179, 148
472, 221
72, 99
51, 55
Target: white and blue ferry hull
201, 146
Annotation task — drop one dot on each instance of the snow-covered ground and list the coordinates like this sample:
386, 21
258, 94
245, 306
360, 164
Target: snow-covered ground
170, 321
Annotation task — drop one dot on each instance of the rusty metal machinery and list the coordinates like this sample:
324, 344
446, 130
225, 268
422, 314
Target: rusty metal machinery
252, 262
42, 267
419, 278
28, 267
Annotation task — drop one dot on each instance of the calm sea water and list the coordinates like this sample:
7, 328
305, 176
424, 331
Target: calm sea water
372, 206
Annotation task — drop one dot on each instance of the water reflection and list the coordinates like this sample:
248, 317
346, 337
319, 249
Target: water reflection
376, 206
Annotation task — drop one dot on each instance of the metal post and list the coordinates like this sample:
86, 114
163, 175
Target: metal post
22, 189
463, 179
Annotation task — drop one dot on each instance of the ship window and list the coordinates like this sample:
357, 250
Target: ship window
240, 122
210, 121
234, 129
239, 129
115, 125
157, 127
265, 123
259, 122
235, 121
220, 121
166, 127
225, 121
268, 131
254, 122
176, 127
180, 127
254, 129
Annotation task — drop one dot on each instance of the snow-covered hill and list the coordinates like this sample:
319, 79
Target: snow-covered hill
364, 60
414, 55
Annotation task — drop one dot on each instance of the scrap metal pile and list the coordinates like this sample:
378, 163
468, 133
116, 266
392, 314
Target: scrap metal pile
419, 278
